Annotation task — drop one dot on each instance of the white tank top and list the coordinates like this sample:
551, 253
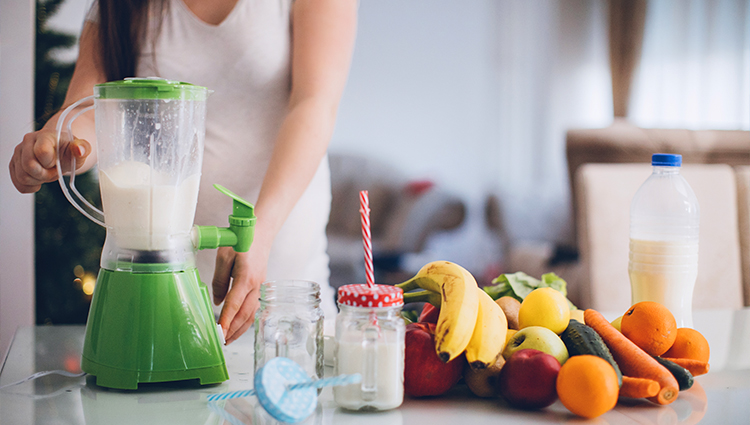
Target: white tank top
245, 60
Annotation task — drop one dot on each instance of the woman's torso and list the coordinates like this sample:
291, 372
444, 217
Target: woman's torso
245, 60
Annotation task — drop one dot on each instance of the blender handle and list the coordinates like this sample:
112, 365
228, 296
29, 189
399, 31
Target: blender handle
95, 215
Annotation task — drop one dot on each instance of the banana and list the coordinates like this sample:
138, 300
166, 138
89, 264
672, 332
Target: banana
424, 296
488, 338
459, 301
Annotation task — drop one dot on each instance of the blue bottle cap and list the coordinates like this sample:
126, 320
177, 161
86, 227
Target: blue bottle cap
283, 404
666, 160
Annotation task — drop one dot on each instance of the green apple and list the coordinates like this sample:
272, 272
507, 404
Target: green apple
538, 338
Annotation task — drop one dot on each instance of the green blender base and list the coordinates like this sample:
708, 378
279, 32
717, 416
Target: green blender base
151, 327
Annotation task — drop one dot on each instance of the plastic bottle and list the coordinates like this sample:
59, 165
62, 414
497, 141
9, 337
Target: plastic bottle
664, 225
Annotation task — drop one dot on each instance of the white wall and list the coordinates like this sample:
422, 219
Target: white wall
16, 210
477, 95
420, 93
422, 96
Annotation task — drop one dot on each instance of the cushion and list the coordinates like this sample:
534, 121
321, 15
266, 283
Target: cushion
604, 195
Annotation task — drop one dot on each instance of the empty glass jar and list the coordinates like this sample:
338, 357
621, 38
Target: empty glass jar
289, 323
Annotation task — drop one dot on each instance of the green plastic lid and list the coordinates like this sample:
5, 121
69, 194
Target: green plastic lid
150, 88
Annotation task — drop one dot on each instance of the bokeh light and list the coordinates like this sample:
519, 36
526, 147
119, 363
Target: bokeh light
88, 281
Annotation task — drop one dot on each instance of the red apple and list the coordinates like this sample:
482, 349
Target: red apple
424, 373
429, 314
528, 379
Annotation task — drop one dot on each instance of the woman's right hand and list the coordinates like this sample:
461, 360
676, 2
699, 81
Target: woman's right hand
34, 159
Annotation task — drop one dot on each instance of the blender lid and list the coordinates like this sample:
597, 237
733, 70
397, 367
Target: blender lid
150, 88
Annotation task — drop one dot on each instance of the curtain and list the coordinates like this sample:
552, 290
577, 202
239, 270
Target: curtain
552, 64
626, 21
695, 66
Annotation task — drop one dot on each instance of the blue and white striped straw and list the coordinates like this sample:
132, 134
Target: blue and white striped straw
319, 383
328, 382
233, 394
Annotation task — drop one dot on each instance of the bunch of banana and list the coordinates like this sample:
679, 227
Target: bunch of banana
469, 321
488, 339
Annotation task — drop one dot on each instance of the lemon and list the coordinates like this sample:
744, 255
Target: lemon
545, 307
577, 314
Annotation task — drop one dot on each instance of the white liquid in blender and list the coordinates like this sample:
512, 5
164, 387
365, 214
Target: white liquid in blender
143, 210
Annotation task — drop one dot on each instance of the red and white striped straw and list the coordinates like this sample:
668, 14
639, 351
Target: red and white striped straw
364, 213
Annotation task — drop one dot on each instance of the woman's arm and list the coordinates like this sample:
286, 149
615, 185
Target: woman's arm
33, 161
323, 33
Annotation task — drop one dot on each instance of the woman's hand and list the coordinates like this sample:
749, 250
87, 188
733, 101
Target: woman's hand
246, 271
321, 54
34, 159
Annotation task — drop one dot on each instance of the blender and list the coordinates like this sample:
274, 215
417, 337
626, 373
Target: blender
150, 318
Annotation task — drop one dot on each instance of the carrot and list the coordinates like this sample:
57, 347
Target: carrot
638, 387
695, 367
632, 360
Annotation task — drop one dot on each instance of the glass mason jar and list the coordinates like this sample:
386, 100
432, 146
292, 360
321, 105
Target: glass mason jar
370, 341
289, 323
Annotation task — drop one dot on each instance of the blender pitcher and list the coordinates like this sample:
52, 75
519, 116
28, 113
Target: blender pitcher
150, 318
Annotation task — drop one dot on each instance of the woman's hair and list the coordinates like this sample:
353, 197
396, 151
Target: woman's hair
122, 32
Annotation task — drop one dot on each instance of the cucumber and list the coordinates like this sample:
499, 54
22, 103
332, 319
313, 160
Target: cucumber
581, 339
683, 376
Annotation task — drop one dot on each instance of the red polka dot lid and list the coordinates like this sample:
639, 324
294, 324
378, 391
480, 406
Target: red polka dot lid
361, 295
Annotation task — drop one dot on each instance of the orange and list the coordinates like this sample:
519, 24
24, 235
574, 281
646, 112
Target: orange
689, 344
650, 326
587, 386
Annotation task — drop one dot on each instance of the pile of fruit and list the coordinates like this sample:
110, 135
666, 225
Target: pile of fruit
531, 346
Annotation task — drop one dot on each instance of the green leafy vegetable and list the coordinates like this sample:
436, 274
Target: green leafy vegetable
555, 282
519, 285
410, 316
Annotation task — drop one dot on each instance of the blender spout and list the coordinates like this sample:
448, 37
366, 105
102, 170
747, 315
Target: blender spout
238, 235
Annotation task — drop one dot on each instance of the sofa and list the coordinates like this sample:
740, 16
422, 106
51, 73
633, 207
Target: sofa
404, 213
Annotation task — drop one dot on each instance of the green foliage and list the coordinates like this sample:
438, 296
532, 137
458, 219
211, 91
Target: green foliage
64, 238
518, 285
52, 76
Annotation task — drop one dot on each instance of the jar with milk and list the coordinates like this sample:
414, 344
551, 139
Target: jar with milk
370, 341
664, 224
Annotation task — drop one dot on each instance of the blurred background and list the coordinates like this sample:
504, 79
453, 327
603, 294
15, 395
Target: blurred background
466, 120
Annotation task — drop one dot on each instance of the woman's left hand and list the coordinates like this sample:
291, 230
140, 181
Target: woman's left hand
237, 281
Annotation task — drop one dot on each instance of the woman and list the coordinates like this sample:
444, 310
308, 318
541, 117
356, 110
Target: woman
278, 70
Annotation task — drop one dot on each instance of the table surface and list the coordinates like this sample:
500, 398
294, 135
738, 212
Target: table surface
722, 396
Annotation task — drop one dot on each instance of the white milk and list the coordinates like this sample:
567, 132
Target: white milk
143, 210
665, 272
349, 358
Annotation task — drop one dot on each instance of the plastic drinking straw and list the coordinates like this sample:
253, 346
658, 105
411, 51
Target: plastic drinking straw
318, 383
364, 213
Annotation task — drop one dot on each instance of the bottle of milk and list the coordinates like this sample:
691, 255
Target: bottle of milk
370, 341
664, 223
